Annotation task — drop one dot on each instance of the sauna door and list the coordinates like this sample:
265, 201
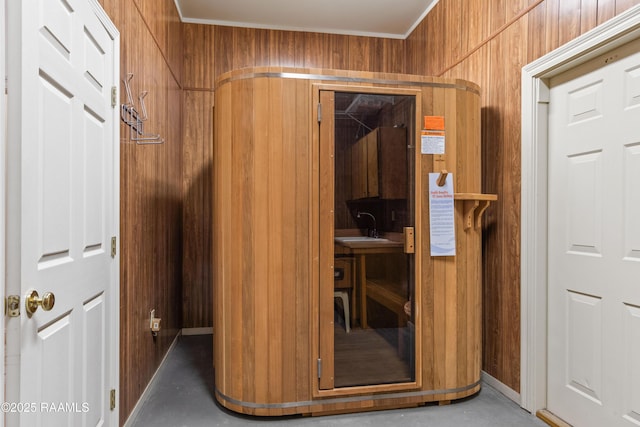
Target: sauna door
367, 159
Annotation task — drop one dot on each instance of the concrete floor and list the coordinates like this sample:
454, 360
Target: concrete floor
182, 395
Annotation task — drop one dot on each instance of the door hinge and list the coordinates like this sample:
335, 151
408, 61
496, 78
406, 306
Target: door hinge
112, 399
12, 306
113, 247
319, 113
114, 96
319, 368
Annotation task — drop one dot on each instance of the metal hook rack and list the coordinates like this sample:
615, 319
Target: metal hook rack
134, 119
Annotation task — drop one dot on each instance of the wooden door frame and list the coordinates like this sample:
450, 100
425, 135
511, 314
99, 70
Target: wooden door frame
316, 219
533, 266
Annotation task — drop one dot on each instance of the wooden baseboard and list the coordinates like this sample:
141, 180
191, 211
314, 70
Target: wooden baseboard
551, 419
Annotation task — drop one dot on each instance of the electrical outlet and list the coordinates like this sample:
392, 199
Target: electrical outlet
155, 324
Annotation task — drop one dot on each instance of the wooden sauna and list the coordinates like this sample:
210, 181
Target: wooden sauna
293, 230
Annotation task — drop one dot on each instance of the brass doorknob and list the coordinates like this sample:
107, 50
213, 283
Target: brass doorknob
33, 300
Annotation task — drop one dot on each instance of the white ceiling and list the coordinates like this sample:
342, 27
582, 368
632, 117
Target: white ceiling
376, 18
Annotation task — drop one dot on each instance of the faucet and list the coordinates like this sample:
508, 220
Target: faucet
373, 232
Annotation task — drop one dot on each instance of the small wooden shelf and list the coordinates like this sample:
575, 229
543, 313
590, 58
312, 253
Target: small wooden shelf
474, 206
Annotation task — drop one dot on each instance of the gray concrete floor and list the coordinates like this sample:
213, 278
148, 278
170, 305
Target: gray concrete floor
182, 395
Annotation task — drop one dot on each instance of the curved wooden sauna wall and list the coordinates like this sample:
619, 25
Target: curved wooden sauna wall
265, 249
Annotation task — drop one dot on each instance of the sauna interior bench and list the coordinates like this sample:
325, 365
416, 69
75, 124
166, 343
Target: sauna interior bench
385, 293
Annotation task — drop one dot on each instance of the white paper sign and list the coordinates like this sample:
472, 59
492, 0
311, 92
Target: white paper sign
432, 144
441, 216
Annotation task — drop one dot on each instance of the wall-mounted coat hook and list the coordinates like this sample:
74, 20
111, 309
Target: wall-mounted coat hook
442, 179
144, 117
134, 119
127, 88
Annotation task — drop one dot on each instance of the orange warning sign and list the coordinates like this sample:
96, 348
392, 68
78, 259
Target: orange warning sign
434, 123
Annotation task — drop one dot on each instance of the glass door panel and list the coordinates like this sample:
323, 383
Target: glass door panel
373, 152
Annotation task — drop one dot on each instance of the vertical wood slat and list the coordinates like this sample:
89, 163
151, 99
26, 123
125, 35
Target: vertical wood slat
428, 308
262, 223
588, 16
569, 24
536, 45
222, 39
606, 10
622, 5
359, 53
336, 54
239, 229
326, 207
261, 47
552, 24
313, 54
244, 48
434, 49
453, 42
277, 217
162, 19
282, 48
199, 57
289, 252
303, 222
221, 217
452, 310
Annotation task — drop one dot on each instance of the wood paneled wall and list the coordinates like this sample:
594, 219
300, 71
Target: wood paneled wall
488, 42
151, 192
245, 47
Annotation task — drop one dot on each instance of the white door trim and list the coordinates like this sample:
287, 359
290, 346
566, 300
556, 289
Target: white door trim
114, 304
533, 266
3, 184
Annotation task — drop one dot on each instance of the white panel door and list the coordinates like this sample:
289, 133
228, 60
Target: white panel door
64, 214
594, 242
